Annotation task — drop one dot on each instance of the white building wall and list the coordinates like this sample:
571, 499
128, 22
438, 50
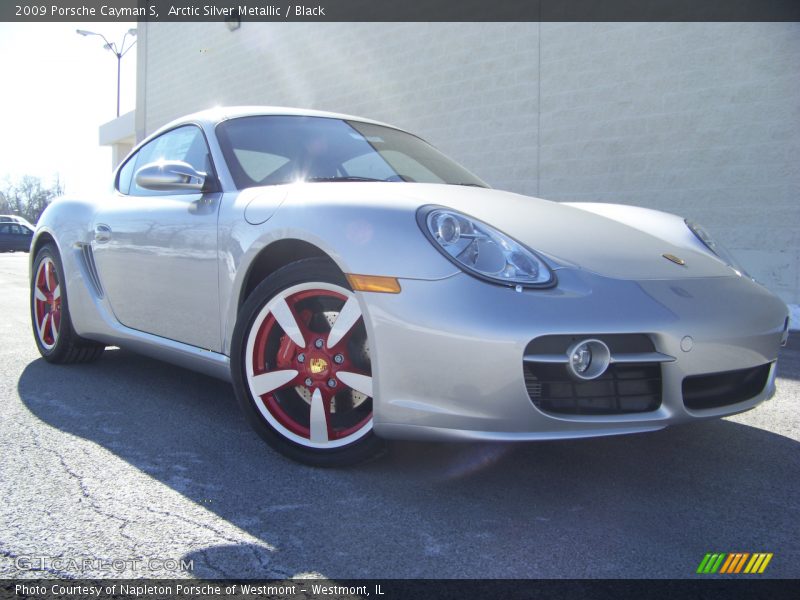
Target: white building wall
701, 119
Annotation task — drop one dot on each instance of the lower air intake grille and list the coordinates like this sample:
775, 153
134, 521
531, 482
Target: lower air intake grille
631, 387
622, 389
721, 389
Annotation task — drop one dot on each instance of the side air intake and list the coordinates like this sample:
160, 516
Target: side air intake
91, 269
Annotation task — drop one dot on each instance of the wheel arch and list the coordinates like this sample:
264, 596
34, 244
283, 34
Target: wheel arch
43, 237
276, 255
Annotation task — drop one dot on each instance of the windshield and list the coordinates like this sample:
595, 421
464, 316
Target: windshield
270, 150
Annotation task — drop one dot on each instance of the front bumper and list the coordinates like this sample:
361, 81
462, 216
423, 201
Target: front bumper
448, 354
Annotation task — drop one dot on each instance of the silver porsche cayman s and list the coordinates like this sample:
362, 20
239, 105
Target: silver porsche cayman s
355, 284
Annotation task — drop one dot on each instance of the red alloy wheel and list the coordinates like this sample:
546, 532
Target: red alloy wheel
47, 303
308, 368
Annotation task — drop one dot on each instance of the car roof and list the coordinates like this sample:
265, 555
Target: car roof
215, 115
5, 222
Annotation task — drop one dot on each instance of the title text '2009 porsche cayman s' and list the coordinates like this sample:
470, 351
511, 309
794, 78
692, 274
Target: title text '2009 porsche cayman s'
355, 284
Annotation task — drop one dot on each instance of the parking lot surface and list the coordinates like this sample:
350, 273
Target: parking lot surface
128, 467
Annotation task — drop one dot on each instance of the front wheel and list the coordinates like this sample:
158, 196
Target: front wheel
301, 366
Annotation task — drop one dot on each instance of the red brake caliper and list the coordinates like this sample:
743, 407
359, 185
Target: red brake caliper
288, 350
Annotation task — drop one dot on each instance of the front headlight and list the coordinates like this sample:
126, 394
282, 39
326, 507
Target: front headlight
715, 247
482, 250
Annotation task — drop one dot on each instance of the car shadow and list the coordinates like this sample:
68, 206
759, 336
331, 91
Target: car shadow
633, 506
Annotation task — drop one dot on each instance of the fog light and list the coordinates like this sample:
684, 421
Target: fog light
588, 359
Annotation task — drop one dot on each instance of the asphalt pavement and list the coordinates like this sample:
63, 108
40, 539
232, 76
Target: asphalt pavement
129, 467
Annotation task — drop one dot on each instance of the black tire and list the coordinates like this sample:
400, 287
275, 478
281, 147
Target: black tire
60, 345
305, 272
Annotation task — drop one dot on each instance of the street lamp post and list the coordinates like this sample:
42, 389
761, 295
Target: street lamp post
119, 52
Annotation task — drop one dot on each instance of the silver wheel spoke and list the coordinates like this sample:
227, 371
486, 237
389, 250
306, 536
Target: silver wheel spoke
348, 317
360, 383
272, 380
39, 294
318, 422
57, 292
41, 327
283, 315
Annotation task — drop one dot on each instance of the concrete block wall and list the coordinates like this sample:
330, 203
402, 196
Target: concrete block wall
454, 83
701, 119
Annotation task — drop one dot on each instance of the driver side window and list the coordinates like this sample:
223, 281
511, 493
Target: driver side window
185, 143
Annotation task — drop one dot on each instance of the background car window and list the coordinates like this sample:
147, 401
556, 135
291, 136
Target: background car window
185, 143
269, 150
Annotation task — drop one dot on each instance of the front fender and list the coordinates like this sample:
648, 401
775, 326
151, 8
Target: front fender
360, 237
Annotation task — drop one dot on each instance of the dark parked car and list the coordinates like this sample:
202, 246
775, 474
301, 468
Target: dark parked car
15, 236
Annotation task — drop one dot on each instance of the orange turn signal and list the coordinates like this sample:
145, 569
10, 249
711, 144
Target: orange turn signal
373, 283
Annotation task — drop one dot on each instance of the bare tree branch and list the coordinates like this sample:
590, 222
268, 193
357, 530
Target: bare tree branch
28, 196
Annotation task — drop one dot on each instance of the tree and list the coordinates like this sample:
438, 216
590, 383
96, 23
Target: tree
28, 197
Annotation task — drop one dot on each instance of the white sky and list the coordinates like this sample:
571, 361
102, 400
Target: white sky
56, 89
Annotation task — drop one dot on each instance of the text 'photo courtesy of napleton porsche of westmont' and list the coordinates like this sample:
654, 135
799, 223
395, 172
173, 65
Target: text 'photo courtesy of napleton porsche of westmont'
355, 285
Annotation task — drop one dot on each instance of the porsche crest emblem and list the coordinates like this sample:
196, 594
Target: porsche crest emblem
318, 365
675, 259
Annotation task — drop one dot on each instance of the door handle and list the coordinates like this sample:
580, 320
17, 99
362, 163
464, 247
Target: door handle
102, 233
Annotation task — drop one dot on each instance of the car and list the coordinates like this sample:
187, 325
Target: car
15, 236
16, 219
355, 285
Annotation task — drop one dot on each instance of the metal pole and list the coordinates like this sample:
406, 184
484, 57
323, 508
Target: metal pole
118, 52
119, 63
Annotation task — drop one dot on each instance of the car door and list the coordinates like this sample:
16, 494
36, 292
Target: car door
156, 251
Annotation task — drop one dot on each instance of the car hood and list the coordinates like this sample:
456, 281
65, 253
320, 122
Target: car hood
567, 235
571, 236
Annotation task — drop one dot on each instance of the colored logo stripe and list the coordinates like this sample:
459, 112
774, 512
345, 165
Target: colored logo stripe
758, 563
734, 562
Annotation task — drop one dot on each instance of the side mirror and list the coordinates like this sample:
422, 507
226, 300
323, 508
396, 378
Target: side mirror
170, 176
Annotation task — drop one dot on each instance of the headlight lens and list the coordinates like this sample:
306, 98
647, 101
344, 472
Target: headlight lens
483, 250
715, 247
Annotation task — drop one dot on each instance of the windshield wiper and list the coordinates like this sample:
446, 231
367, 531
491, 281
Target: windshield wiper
470, 184
343, 178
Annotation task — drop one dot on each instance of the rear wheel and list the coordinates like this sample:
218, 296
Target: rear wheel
52, 327
301, 366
